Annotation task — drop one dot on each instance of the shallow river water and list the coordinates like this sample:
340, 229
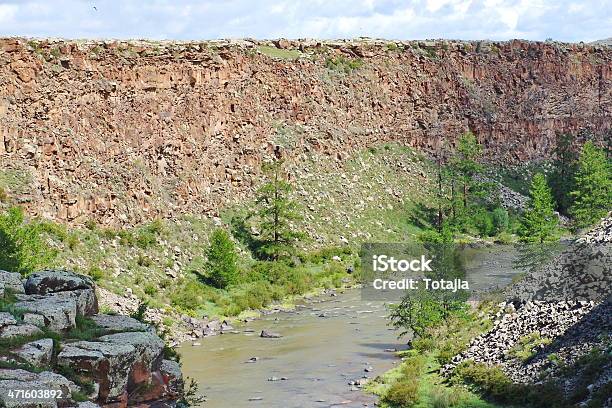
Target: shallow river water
325, 345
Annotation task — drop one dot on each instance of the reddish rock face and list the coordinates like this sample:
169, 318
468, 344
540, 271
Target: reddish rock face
123, 132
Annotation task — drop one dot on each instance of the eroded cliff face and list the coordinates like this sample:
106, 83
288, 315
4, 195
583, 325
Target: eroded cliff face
122, 132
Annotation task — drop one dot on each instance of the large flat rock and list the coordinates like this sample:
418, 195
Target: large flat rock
19, 330
52, 281
59, 313
24, 380
11, 281
119, 323
37, 353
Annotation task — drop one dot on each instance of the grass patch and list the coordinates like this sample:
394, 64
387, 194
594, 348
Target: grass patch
279, 53
493, 383
15, 181
527, 346
343, 64
85, 329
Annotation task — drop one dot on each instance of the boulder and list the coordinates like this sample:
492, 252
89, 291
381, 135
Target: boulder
270, 335
56, 281
87, 404
148, 347
85, 299
108, 364
11, 281
171, 372
59, 313
35, 319
38, 353
6, 319
118, 323
19, 330
25, 380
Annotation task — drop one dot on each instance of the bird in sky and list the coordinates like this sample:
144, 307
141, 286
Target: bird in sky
95, 8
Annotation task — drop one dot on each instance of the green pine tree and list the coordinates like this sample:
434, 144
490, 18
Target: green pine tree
277, 212
539, 221
465, 165
221, 264
593, 186
564, 169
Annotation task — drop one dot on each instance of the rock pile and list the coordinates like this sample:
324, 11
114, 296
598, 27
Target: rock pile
113, 360
565, 306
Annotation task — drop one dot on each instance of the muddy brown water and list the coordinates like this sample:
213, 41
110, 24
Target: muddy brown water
325, 345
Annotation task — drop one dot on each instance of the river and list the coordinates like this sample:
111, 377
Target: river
326, 343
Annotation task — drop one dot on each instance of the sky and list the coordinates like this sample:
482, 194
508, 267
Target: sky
561, 20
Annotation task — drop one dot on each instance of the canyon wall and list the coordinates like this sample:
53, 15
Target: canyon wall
122, 132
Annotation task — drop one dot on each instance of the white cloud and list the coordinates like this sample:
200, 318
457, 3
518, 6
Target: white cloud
567, 20
7, 12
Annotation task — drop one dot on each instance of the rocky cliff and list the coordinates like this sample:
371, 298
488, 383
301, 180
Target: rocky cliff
53, 338
126, 131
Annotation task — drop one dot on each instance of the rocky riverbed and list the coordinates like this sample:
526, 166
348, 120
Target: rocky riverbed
53, 338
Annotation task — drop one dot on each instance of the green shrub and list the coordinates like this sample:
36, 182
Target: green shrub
141, 312
22, 245
343, 64
91, 225
443, 397
85, 329
145, 238
96, 273
331, 276
189, 295
279, 53
492, 381
221, 264
144, 261
392, 46
150, 289
403, 394
126, 238
326, 254
484, 223
501, 219
72, 240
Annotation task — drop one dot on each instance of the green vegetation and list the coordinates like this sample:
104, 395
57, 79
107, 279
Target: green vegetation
22, 245
593, 186
417, 382
492, 382
15, 181
343, 64
466, 203
539, 221
564, 170
279, 53
276, 214
527, 346
405, 392
85, 329
221, 264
